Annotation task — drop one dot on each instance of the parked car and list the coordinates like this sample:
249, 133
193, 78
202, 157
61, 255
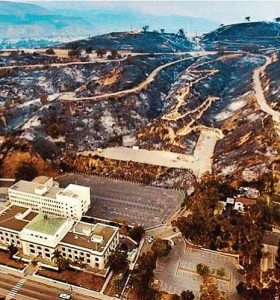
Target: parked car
151, 239
65, 296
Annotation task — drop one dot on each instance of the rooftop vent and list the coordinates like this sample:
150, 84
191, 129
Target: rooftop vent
97, 238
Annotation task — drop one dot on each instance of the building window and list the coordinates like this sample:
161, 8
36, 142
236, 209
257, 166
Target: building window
88, 261
32, 251
97, 265
48, 255
96, 258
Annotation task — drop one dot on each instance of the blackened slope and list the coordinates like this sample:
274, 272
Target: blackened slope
138, 42
249, 30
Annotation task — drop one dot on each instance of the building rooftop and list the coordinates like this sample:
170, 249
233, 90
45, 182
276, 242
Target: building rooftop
30, 186
16, 217
271, 238
46, 224
41, 179
246, 201
86, 236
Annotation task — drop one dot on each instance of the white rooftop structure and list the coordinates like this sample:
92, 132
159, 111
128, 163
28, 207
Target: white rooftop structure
45, 195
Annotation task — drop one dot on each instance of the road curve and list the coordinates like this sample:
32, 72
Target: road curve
259, 93
148, 80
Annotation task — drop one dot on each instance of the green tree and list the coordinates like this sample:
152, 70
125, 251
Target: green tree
88, 49
50, 51
221, 272
145, 28
101, 52
74, 53
26, 171
202, 270
181, 32
136, 233
12, 250
114, 53
161, 248
117, 261
143, 274
277, 19
187, 295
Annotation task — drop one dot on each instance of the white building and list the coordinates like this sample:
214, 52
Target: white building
40, 235
44, 195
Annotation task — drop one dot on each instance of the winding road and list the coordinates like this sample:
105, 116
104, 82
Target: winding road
139, 87
259, 93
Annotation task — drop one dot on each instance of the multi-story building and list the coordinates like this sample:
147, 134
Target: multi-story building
44, 219
44, 195
40, 235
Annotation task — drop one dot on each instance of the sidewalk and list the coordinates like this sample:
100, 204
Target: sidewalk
54, 283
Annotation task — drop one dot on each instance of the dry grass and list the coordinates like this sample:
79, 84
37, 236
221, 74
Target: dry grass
14, 158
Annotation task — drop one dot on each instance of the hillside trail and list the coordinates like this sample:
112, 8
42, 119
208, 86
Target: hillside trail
137, 88
259, 93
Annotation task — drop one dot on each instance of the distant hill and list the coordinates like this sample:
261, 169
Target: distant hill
105, 21
238, 36
136, 41
249, 30
55, 19
21, 20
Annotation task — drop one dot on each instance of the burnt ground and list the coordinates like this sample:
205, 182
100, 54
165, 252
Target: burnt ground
136, 42
271, 82
15, 58
98, 123
249, 36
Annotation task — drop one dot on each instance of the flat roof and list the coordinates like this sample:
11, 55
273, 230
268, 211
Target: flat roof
271, 238
8, 218
29, 187
46, 224
41, 179
76, 238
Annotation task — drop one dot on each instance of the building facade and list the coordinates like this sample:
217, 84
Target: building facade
45, 195
44, 219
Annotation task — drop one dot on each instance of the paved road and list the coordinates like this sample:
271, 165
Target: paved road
31, 290
260, 93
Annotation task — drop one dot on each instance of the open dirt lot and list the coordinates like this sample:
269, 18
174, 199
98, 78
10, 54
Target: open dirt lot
124, 201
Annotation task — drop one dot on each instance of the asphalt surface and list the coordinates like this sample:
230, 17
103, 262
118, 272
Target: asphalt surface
119, 200
177, 271
32, 290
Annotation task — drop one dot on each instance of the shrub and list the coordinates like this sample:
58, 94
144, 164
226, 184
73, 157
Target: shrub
50, 51
26, 171
202, 270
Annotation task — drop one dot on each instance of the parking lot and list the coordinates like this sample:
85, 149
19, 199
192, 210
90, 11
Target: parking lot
177, 271
124, 201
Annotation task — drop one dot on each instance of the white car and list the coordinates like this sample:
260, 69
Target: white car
65, 296
151, 239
